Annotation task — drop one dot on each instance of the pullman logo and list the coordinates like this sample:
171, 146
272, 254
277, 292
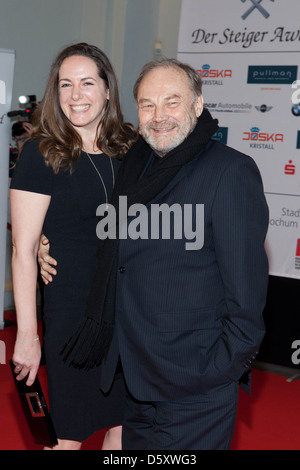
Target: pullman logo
276, 74
297, 258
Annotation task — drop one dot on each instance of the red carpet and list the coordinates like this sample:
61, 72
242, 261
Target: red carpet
267, 420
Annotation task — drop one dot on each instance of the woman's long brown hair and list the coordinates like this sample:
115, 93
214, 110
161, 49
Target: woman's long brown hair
60, 144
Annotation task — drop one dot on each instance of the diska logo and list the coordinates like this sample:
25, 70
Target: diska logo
265, 139
208, 72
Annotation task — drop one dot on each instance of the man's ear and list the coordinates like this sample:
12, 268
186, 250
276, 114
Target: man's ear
198, 105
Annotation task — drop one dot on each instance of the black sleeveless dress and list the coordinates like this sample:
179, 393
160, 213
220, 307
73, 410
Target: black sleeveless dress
77, 405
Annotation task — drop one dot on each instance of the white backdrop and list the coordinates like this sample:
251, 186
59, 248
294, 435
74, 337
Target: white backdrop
247, 52
7, 61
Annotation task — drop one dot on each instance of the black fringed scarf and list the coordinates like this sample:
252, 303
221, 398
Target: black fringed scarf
89, 345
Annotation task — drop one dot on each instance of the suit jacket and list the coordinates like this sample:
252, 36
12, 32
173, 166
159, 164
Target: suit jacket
188, 321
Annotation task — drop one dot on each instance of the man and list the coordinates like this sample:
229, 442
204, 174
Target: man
186, 318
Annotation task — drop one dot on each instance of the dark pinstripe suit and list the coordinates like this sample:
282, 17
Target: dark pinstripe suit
189, 323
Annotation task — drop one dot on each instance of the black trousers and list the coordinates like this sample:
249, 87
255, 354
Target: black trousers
206, 423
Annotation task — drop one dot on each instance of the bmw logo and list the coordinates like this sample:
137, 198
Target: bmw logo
296, 109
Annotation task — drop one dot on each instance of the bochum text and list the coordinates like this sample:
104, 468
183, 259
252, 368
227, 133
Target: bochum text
188, 222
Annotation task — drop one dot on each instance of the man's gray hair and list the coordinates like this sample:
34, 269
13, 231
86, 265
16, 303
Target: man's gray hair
192, 74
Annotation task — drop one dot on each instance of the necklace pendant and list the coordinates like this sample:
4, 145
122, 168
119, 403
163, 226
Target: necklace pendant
101, 179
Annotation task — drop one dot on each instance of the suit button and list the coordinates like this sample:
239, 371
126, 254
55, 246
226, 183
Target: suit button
121, 270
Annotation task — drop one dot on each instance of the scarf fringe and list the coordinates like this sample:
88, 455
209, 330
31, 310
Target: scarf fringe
88, 347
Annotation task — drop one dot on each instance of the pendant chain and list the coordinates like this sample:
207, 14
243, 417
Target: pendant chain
100, 176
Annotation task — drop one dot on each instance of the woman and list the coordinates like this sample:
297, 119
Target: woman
65, 171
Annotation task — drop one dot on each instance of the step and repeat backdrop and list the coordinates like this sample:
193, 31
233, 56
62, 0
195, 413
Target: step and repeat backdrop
248, 55
7, 61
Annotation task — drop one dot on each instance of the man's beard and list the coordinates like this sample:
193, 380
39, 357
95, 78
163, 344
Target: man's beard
183, 131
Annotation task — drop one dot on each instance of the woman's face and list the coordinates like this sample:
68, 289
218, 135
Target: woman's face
82, 93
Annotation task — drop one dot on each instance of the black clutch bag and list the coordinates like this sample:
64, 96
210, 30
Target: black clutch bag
36, 411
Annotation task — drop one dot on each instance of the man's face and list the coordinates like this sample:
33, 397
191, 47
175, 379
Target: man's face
168, 110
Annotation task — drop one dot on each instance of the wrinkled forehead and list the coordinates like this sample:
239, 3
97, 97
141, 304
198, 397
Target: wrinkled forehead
164, 81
